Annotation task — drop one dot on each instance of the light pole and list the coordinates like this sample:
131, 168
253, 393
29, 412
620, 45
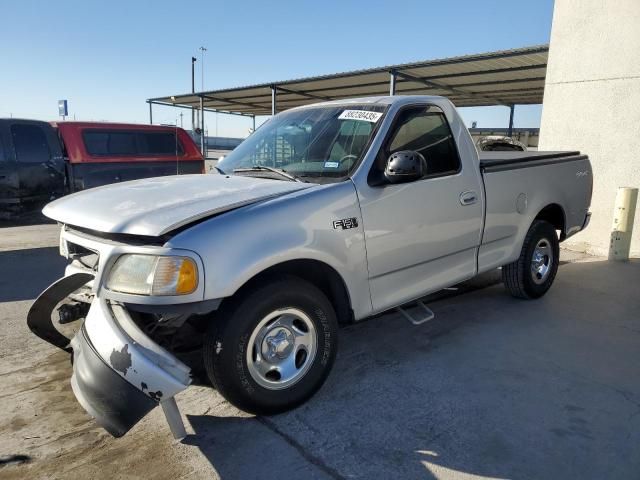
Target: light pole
202, 50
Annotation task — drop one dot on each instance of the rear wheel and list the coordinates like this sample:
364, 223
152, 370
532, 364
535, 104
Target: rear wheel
533, 273
272, 348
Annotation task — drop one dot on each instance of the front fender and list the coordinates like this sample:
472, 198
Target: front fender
238, 245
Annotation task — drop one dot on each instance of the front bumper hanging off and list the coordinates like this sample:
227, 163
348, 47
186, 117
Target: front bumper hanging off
119, 374
106, 396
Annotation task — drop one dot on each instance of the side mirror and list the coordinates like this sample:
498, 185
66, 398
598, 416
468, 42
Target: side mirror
405, 166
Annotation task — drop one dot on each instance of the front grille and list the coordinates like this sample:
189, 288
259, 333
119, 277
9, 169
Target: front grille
82, 256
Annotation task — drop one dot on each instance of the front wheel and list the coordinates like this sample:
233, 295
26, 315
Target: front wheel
533, 273
271, 348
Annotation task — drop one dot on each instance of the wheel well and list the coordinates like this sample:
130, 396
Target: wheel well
554, 214
317, 273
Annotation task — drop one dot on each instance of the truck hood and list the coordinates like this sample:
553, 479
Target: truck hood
155, 206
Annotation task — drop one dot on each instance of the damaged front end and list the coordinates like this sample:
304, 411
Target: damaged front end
120, 371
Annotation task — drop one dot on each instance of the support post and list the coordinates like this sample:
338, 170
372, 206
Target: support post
623, 217
202, 126
511, 110
150, 113
392, 82
193, 90
274, 106
254, 123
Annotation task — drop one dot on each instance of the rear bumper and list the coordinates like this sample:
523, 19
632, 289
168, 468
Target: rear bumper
587, 219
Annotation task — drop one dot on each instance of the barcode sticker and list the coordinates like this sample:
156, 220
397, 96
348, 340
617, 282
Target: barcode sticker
362, 115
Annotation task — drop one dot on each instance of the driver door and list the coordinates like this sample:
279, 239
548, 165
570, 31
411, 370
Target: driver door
423, 235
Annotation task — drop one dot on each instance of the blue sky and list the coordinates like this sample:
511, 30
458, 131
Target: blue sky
107, 58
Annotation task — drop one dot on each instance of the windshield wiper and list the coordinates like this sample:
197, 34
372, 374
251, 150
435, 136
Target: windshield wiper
258, 168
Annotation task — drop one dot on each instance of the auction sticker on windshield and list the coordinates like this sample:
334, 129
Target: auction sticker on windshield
363, 115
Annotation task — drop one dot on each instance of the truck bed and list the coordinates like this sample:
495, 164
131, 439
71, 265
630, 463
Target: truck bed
498, 161
518, 186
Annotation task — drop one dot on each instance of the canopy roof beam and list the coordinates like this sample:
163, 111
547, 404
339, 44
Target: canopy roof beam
212, 110
448, 88
384, 84
233, 102
493, 71
302, 94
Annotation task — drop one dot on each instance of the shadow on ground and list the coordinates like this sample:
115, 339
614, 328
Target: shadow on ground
26, 273
493, 387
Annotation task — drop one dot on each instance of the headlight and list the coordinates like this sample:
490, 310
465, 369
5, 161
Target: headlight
153, 275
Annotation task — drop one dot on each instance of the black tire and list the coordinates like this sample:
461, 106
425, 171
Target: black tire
228, 339
518, 276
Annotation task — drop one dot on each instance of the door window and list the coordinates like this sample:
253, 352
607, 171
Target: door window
30, 143
424, 130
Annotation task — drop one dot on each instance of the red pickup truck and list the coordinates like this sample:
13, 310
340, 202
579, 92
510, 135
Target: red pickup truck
40, 161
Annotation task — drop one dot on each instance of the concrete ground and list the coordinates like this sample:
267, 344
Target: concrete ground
494, 387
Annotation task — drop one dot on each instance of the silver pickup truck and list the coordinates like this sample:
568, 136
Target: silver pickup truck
327, 214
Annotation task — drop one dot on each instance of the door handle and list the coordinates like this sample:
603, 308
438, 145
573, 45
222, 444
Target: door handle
468, 198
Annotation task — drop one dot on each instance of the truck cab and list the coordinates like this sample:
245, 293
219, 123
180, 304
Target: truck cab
329, 213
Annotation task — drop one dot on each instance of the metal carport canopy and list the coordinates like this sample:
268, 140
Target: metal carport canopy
507, 77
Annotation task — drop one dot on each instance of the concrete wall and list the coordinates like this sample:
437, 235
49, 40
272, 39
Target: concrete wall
592, 103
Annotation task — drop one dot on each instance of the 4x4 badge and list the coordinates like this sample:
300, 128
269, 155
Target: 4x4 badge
345, 223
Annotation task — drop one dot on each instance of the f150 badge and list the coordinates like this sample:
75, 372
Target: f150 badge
345, 223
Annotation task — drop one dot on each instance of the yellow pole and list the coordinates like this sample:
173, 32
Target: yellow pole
623, 215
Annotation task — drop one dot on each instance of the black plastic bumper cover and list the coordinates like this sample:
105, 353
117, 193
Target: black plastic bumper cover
114, 403
39, 316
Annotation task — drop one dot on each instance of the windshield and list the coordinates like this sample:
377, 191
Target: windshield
321, 144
